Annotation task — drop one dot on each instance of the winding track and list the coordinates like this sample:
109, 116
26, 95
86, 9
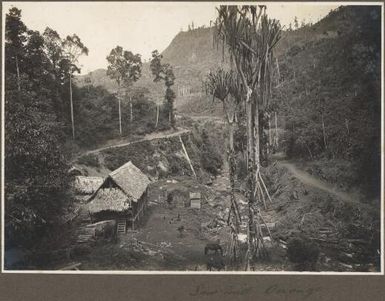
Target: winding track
149, 137
309, 180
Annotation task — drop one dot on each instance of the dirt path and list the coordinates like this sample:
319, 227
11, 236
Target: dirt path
149, 137
309, 180
215, 119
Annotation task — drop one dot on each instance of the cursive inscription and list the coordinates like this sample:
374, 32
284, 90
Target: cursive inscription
302, 293
276, 289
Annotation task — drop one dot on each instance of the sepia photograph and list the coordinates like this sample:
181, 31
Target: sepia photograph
192, 137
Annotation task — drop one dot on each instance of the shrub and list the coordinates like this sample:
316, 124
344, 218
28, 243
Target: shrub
80, 251
211, 158
89, 160
211, 161
303, 253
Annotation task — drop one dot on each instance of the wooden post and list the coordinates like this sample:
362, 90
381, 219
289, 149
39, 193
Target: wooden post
187, 156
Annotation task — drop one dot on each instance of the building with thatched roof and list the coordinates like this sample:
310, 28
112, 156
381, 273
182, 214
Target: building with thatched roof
86, 185
122, 196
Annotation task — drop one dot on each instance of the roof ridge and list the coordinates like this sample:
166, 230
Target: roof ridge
114, 172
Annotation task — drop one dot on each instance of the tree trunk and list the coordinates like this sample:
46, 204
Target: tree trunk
231, 136
72, 109
250, 178
250, 126
131, 116
171, 114
17, 74
323, 130
157, 115
234, 219
120, 117
232, 169
276, 130
269, 132
257, 136
279, 74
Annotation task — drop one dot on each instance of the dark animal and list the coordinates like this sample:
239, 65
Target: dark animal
213, 247
215, 262
181, 229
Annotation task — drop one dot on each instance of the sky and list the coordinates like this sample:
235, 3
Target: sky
140, 27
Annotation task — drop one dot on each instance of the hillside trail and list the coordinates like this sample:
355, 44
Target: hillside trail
208, 118
148, 137
314, 182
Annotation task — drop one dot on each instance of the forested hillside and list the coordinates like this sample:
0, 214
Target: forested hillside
329, 94
35, 130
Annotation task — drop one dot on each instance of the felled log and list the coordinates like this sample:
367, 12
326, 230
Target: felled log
73, 266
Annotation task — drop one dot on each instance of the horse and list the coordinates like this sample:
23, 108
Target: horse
213, 247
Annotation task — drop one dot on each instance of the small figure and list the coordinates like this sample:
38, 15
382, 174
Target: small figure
215, 262
181, 229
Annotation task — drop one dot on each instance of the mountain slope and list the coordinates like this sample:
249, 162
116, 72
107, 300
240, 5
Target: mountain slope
193, 54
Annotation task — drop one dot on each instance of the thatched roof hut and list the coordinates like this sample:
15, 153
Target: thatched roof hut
123, 187
87, 185
131, 180
109, 199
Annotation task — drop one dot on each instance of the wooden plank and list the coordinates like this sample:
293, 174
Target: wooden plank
73, 266
269, 225
187, 156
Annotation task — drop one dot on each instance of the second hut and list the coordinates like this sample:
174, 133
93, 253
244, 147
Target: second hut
121, 197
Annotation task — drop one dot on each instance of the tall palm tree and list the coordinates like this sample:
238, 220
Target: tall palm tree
249, 37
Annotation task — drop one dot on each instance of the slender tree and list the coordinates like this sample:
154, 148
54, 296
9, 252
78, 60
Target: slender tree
73, 49
125, 68
164, 72
296, 23
15, 36
53, 48
250, 36
223, 85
